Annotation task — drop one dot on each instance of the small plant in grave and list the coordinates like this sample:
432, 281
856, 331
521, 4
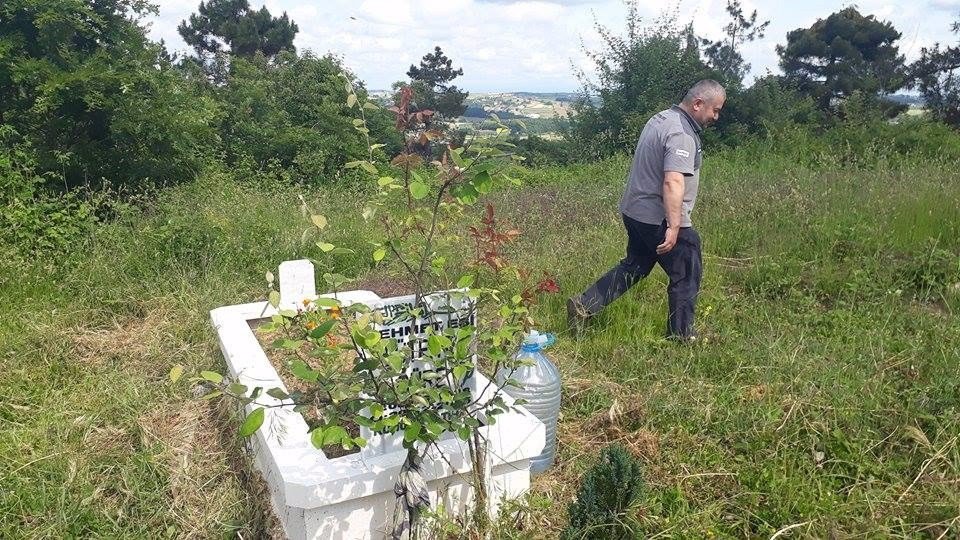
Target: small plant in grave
419, 386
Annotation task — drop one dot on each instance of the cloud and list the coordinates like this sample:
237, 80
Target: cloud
507, 45
945, 5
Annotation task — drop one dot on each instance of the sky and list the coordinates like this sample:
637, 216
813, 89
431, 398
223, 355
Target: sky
537, 45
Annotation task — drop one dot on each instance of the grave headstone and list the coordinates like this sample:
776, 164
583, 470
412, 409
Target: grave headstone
297, 282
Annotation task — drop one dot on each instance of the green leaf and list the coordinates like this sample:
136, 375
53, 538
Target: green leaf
376, 410
460, 371
252, 423
335, 280
379, 254
351, 100
463, 349
466, 281
467, 194
433, 344
323, 329
176, 372
463, 432
412, 432
342, 251
457, 158
212, 376
360, 441
319, 220
274, 298
369, 167
435, 428
349, 88
352, 164
371, 339
237, 389
370, 106
278, 394
325, 247
316, 437
334, 434
301, 370
395, 361
269, 276
385, 181
285, 343
419, 190
327, 302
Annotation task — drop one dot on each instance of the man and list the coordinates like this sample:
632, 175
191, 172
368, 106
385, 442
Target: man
656, 207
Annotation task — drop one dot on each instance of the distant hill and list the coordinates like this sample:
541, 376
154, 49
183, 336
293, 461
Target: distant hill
549, 96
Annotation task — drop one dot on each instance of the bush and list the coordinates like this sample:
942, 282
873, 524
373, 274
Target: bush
540, 152
608, 491
95, 98
34, 224
638, 74
292, 111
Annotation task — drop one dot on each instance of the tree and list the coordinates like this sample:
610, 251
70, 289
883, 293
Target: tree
724, 55
426, 386
768, 107
244, 31
845, 53
94, 98
290, 111
935, 75
637, 75
431, 84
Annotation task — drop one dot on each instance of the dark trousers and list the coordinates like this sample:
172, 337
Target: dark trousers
683, 265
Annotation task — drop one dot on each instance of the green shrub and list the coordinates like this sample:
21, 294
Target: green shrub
540, 152
34, 224
608, 491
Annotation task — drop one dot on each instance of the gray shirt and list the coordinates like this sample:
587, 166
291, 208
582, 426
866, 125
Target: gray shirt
670, 141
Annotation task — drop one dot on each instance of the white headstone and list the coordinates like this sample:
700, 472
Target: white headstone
296, 283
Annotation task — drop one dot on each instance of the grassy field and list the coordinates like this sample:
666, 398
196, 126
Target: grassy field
825, 395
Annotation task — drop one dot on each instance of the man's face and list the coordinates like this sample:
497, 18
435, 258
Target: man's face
707, 111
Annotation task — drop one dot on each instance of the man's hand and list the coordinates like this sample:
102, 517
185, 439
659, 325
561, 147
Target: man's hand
669, 240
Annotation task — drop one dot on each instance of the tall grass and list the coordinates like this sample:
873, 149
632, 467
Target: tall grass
826, 392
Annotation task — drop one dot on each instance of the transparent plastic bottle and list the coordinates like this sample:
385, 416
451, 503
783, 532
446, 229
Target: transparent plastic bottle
540, 388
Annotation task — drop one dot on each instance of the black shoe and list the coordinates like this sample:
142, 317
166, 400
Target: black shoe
577, 316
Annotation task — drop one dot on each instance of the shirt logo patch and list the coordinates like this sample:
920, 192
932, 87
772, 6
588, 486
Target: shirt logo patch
682, 153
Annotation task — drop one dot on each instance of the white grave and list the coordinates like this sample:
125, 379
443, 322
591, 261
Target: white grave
351, 497
297, 282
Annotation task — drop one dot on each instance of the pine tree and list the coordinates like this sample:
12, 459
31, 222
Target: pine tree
244, 32
431, 82
935, 75
608, 491
845, 53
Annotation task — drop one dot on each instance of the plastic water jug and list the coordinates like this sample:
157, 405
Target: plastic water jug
540, 387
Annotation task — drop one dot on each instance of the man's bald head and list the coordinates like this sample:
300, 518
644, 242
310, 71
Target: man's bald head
704, 100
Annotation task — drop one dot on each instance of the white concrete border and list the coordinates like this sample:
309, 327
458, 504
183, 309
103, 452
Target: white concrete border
352, 496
